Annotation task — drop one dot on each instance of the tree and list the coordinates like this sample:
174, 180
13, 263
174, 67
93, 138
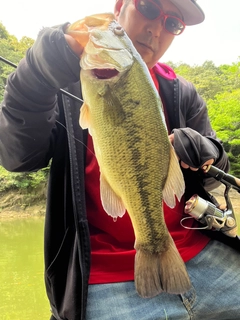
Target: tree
3, 32
206, 78
13, 50
224, 112
231, 76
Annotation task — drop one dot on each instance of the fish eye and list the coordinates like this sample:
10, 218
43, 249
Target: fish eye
119, 31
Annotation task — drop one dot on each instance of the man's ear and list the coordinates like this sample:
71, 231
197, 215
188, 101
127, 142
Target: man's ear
117, 7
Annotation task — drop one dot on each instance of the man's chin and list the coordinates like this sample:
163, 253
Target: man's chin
149, 62
146, 54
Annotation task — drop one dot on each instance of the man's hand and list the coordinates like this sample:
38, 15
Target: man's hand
53, 58
74, 45
194, 149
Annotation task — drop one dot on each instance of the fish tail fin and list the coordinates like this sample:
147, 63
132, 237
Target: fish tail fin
158, 272
146, 274
174, 275
175, 184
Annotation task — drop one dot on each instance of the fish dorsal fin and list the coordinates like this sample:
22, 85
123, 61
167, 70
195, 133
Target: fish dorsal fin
175, 185
84, 119
111, 203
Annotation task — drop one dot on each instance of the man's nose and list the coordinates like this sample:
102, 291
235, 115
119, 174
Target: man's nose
155, 27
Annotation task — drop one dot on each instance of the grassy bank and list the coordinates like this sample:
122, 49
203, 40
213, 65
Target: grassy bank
16, 204
23, 194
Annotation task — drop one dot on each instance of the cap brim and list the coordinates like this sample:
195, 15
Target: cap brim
190, 10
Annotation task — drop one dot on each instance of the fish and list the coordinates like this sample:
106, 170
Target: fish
139, 168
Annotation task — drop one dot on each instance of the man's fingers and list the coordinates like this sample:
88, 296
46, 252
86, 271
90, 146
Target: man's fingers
204, 166
74, 45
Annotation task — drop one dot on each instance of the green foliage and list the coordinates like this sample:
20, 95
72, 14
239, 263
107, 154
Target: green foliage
224, 111
12, 50
231, 76
235, 165
3, 32
25, 182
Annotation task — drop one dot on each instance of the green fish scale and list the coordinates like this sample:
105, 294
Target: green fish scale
132, 147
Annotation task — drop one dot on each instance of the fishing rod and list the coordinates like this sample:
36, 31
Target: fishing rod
8, 62
66, 93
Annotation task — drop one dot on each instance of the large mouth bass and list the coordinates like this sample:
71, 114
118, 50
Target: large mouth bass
138, 166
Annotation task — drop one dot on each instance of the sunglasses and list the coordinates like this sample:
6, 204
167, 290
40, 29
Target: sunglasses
152, 11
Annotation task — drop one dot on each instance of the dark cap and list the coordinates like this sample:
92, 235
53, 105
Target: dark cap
190, 10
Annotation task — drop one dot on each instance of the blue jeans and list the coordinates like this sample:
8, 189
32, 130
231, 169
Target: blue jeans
215, 293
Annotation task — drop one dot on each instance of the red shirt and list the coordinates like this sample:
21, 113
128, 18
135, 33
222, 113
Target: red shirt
112, 242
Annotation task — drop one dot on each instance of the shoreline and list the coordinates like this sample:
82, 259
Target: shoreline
38, 209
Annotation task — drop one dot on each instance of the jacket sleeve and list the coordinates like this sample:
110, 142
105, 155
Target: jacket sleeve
29, 109
198, 141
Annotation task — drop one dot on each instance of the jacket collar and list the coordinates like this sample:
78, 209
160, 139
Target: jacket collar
164, 71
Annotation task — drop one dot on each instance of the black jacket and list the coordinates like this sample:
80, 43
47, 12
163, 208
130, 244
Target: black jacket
38, 124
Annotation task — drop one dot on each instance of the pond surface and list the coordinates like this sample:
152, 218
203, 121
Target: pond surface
22, 291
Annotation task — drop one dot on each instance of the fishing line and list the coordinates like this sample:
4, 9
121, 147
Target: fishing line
79, 141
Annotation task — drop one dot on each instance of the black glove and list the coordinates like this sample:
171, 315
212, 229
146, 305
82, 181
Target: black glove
193, 148
52, 60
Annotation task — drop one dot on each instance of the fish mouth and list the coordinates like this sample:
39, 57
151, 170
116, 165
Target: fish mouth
105, 73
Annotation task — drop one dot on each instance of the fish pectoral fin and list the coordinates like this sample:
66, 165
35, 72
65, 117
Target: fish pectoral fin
111, 203
84, 119
175, 185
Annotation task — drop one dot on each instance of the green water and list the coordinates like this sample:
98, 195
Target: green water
22, 291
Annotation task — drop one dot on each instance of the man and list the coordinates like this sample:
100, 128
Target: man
38, 123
